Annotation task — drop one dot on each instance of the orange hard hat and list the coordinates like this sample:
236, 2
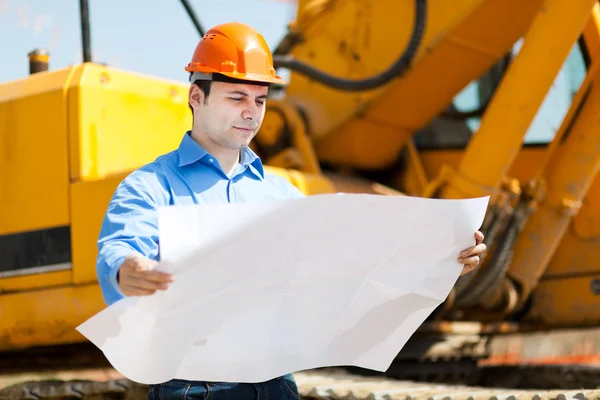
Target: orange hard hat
235, 50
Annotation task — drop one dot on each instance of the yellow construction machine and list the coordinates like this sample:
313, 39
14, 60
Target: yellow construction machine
432, 98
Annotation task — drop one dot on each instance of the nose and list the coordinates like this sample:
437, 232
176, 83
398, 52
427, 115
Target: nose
247, 115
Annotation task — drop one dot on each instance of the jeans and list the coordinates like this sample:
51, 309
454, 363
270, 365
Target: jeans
282, 388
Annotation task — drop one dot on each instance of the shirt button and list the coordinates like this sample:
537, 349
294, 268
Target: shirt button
211, 160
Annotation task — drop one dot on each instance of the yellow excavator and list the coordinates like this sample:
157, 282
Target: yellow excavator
432, 98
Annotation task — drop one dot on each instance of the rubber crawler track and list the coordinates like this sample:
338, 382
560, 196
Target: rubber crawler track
312, 385
55, 389
450, 380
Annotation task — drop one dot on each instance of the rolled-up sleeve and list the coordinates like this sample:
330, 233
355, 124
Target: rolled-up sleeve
129, 225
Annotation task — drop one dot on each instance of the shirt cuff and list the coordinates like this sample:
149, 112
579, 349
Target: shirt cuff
113, 261
114, 272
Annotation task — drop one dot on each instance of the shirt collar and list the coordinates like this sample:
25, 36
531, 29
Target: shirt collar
190, 151
249, 159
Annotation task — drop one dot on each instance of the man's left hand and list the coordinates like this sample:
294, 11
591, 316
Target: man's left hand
470, 256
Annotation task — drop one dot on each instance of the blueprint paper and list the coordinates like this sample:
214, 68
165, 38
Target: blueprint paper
266, 289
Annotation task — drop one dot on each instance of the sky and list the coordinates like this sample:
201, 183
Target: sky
129, 34
159, 40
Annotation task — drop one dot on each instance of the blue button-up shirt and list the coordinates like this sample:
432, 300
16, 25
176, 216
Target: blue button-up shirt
188, 175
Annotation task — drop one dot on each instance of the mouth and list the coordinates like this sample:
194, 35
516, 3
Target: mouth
244, 130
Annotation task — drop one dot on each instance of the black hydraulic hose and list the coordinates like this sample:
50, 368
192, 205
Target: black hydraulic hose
193, 17
399, 66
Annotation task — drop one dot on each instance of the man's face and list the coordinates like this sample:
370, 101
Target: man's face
231, 115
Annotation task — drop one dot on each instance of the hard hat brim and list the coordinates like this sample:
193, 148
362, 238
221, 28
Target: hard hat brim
207, 75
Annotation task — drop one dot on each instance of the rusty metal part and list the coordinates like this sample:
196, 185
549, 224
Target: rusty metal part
428, 349
469, 328
568, 346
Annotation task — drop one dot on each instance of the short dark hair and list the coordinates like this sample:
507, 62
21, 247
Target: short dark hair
205, 85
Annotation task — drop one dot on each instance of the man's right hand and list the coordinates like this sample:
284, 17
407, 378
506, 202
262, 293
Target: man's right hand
136, 277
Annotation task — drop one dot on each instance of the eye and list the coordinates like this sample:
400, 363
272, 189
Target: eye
236, 98
260, 102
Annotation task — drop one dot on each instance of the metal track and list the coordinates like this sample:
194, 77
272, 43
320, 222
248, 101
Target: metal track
71, 390
534, 377
324, 384
94, 379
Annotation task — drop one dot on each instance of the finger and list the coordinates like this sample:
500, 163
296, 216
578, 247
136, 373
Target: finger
140, 270
135, 291
156, 276
473, 261
134, 268
466, 251
136, 262
142, 283
478, 237
480, 248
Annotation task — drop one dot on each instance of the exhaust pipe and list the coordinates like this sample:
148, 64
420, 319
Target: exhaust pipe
38, 61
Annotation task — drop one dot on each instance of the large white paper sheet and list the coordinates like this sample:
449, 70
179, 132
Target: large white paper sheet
265, 289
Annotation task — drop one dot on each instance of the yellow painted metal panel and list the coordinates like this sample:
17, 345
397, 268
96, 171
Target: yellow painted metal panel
46, 317
89, 200
306, 183
575, 255
579, 250
524, 167
586, 224
34, 281
366, 144
34, 174
566, 302
119, 120
591, 32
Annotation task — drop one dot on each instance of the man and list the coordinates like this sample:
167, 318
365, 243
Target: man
230, 71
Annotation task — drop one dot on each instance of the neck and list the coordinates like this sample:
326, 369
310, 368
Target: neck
228, 158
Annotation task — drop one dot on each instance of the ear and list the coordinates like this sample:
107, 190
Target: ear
195, 96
